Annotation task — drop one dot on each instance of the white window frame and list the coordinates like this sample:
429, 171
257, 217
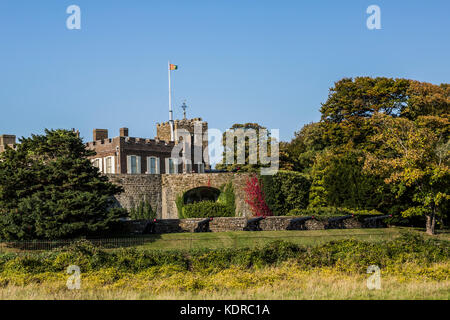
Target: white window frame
113, 165
100, 163
175, 166
149, 171
138, 164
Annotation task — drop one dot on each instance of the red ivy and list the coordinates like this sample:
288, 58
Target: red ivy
255, 198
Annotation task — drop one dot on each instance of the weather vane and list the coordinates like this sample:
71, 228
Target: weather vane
184, 107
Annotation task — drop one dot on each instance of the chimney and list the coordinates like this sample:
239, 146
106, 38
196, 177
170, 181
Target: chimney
124, 132
100, 134
7, 139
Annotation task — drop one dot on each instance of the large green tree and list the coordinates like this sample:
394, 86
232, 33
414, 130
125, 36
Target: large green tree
415, 156
50, 190
351, 104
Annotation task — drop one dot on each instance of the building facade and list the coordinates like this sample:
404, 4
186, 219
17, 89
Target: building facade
129, 155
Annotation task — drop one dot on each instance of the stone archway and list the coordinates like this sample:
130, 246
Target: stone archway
203, 193
175, 185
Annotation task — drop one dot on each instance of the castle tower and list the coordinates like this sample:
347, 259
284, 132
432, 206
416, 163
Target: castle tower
163, 133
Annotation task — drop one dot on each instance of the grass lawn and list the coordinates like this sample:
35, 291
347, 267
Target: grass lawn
241, 239
244, 239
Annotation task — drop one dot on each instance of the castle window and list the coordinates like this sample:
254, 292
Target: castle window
133, 164
109, 165
152, 165
201, 167
187, 166
171, 166
98, 163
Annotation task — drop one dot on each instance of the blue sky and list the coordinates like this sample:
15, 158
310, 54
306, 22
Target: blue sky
270, 62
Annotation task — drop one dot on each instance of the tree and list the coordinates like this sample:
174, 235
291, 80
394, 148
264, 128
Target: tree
50, 190
244, 129
413, 157
338, 180
351, 104
299, 154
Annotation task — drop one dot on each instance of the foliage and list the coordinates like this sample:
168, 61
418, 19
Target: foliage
413, 157
323, 213
338, 179
50, 190
299, 154
179, 202
348, 255
227, 197
143, 211
224, 207
206, 209
285, 191
250, 147
255, 197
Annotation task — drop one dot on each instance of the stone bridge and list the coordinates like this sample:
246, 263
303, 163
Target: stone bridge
163, 189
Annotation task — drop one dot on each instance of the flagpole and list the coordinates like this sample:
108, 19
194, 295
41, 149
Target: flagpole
170, 107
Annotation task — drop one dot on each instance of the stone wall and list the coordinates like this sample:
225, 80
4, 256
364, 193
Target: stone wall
162, 190
237, 224
138, 188
178, 184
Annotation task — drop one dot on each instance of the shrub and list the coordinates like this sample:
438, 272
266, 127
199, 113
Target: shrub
206, 209
143, 211
285, 191
227, 197
325, 212
224, 207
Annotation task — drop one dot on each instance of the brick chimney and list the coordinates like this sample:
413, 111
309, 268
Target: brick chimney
7, 139
124, 132
100, 134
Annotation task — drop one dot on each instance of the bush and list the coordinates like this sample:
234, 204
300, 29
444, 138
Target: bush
224, 207
324, 213
285, 191
349, 255
143, 211
206, 209
227, 197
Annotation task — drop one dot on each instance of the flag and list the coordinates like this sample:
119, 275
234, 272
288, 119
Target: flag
173, 67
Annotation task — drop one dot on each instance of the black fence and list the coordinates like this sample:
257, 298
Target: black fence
192, 241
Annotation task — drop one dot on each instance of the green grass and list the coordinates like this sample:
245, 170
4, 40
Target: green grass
242, 239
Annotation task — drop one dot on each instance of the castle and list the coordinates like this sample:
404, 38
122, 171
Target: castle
129, 155
147, 172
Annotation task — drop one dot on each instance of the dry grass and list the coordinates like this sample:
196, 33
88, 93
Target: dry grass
286, 282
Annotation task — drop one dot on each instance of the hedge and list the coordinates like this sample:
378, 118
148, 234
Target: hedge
323, 213
206, 209
285, 191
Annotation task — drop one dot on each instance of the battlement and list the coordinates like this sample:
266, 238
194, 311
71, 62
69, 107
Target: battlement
180, 122
130, 140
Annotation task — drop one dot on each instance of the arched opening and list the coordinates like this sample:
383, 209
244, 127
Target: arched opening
201, 194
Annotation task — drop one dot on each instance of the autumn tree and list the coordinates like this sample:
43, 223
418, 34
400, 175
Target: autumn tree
414, 156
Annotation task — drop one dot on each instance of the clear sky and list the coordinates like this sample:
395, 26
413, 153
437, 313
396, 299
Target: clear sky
270, 62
